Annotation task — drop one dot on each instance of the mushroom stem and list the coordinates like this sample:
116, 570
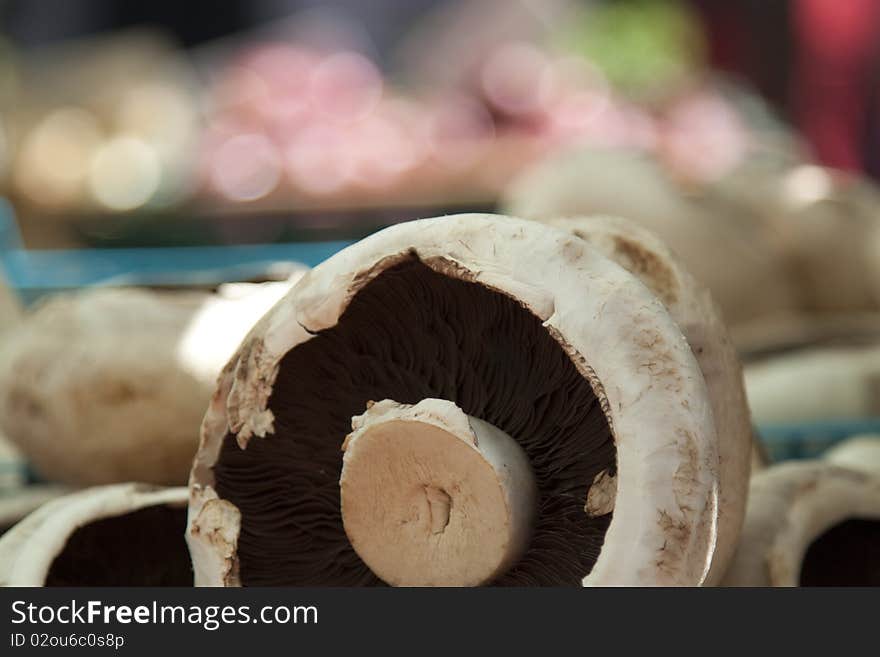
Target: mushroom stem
433, 497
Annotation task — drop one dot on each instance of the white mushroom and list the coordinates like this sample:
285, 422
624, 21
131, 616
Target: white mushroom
823, 224
858, 453
119, 535
644, 255
10, 306
517, 325
110, 385
13, 467
815, 384
765, 338
826, 221
15, 504
809, 523
724, 245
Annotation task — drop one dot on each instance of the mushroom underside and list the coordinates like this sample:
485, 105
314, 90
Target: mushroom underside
413, 333
141, 548
847, 554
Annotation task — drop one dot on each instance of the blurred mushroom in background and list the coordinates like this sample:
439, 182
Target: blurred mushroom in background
812, 523
119, 535
823, 223
724, 248
110, 384
815, 384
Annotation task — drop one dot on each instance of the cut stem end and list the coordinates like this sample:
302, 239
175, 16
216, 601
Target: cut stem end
433, 497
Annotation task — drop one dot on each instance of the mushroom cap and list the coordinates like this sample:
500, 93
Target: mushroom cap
590, 181
858, 453
765, 338
823, 224
642, 253
18, 503
815, 384
790, 506
827, 222
110, 385
91, 392
10, 306
720, 242
29, 549
617, 334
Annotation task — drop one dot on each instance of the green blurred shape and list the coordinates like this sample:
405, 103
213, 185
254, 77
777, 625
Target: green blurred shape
646, 48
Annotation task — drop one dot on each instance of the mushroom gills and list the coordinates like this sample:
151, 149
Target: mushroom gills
412, 334
847, 554
140, 548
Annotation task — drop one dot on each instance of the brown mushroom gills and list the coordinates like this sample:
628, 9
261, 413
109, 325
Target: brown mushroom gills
142, 548
848, 554
409, 334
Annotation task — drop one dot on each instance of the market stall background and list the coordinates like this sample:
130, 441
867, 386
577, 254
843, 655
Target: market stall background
142, 145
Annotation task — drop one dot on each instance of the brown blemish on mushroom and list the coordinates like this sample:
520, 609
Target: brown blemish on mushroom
451, 268
677, 533
649, 268
662, 364
603, 492
413, 333
247, 400
365, 276
573, 251
219, 522
689, 466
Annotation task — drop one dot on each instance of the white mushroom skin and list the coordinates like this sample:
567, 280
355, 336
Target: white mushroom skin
826, 222
766, 338
11, 311
723, 244
790, 506
110, 385
18, 503
642, 253
454, 495
815, 384
858, 453
665, 526
12, 462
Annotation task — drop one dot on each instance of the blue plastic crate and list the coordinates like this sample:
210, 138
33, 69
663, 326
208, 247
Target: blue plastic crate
808, 440
34, 273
